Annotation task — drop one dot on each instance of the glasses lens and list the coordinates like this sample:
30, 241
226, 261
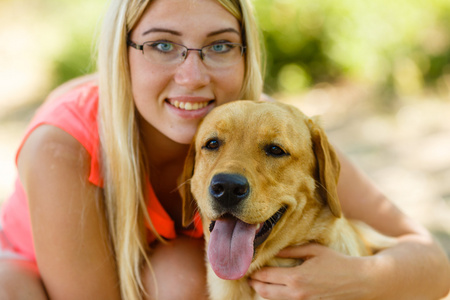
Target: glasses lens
163, 52
222, 55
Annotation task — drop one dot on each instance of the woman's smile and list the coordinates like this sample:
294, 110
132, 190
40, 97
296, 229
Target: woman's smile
188, 107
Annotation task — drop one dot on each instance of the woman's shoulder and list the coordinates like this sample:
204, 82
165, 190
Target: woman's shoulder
77, 97
65, 127
51, 149
77, 100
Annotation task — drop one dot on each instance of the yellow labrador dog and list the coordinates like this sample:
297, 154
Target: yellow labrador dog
264, 177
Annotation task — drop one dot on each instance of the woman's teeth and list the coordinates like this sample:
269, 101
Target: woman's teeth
189, 105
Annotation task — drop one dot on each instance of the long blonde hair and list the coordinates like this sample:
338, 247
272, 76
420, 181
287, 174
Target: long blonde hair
121, 155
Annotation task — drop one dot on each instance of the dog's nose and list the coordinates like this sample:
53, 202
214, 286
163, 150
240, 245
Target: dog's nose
229, 189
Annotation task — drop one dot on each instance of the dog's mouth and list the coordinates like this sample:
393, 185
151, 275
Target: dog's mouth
263, 229
233, 242
266, 228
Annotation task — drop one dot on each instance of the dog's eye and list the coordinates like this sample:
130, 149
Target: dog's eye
212, 144
274, 150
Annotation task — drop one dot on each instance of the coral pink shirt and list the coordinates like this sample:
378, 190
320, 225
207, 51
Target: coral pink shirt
76, 113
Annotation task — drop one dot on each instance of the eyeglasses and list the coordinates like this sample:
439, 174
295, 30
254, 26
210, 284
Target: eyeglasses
217, 55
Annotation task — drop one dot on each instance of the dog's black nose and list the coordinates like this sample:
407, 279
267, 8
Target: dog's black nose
229, 189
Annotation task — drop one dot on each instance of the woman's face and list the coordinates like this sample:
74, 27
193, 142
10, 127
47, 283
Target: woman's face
173, 98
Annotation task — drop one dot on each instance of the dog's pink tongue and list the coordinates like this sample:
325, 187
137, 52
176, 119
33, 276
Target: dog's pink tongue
230, 249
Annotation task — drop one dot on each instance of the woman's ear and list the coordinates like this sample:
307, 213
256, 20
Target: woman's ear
328, 167
189, 204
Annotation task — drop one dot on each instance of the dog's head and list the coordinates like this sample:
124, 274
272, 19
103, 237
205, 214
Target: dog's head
256, 169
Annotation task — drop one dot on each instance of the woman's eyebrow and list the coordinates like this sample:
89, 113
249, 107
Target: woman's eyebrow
177, 33
162, 30
224, 31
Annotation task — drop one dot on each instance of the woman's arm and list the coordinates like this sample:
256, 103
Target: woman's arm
416, 268
68, 222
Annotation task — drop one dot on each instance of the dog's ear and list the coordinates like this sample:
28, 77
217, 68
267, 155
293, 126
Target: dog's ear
328, 167
189, 204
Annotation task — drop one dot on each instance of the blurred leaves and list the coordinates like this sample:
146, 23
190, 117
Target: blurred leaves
79, 23
55, 36
400, 46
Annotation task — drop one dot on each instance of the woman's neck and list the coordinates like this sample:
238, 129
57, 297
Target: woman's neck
160, 150
165, 164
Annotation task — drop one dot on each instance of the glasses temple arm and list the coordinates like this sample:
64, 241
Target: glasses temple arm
134, 45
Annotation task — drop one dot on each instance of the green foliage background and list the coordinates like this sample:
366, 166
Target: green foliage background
402, 46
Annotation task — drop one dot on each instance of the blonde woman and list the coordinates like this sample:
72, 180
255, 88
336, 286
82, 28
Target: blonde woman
96, 213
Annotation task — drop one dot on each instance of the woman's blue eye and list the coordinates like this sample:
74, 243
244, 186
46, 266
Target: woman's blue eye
164, 47
221, 47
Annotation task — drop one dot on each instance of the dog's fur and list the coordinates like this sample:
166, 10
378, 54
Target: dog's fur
288, 162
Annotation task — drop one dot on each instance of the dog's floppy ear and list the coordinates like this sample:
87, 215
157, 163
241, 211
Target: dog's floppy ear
328, 167
189, 204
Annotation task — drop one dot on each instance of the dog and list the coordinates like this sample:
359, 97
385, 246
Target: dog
263, 177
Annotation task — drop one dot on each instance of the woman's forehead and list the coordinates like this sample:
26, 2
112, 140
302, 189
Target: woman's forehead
182, 17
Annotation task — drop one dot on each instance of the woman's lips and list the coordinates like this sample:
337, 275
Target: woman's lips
190, 107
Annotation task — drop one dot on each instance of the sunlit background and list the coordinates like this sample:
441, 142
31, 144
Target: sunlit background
377, 71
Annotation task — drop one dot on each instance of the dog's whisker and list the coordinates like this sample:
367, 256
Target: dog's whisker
181, 185
324, 188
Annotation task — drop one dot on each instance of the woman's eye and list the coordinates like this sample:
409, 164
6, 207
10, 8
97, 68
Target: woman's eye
212, 144
164, 47
220, 48
275, 151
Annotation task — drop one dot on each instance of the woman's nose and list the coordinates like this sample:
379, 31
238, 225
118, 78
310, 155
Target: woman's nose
192, 72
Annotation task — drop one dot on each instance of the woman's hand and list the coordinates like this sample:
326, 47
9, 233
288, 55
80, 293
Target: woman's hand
324, 274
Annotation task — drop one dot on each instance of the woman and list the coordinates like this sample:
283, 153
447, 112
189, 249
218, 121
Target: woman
101, 186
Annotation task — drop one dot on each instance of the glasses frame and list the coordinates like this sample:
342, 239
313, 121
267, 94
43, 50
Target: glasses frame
199, 50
